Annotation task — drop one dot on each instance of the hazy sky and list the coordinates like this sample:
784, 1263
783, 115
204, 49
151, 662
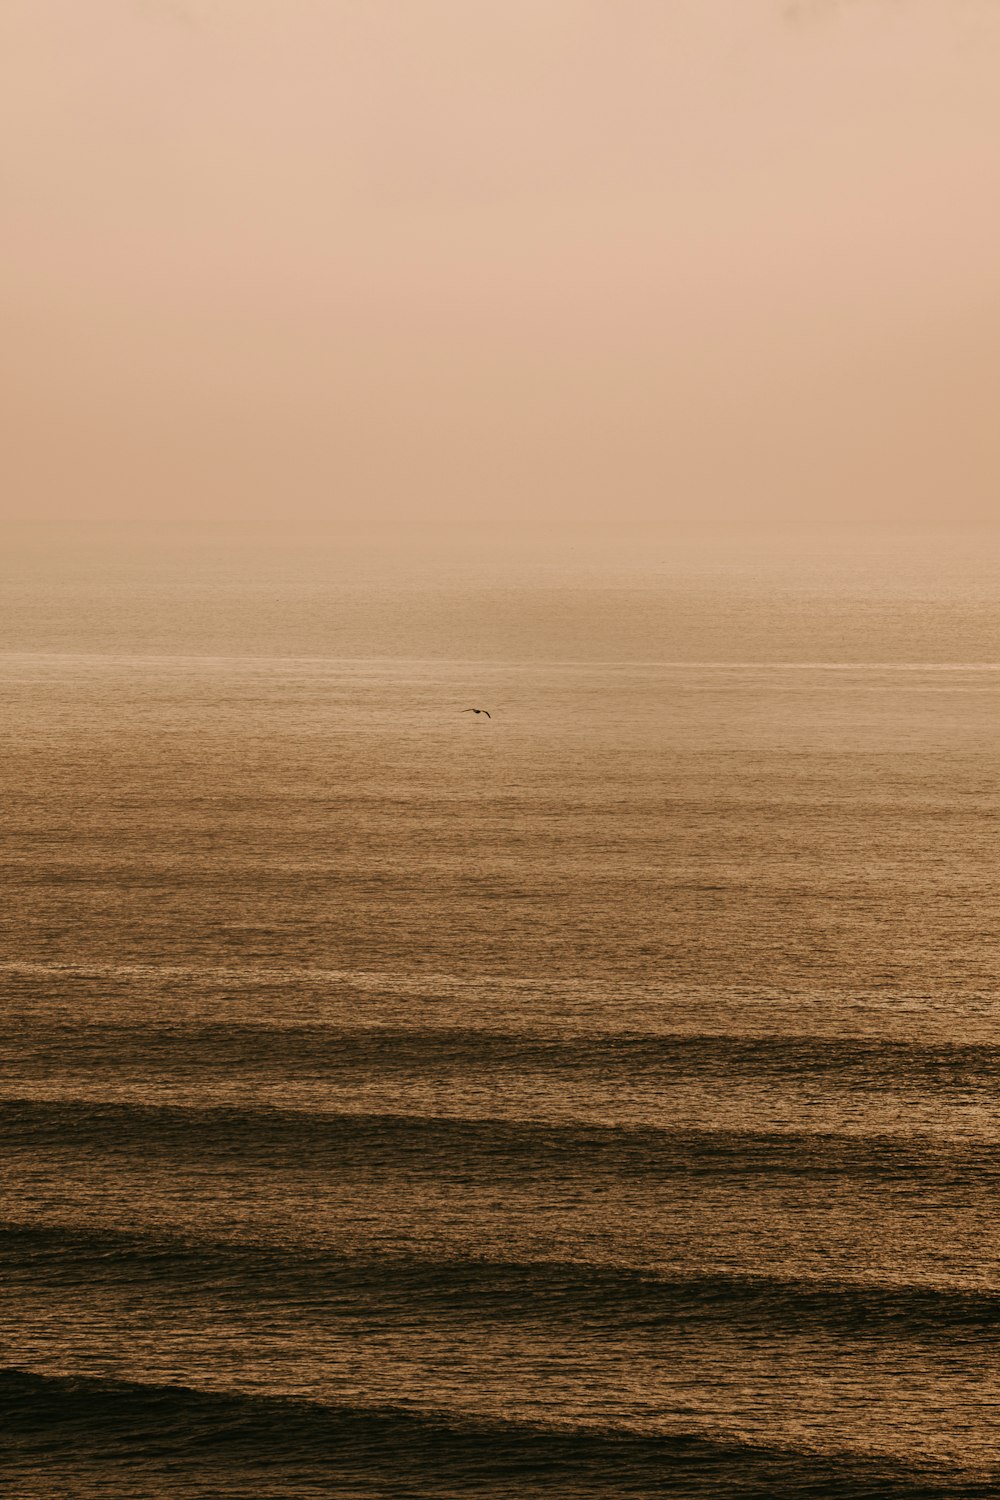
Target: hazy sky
501, 260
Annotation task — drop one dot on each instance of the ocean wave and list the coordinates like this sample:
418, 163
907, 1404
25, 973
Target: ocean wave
47, 1417
324, 1049
616, 1296
446, 1145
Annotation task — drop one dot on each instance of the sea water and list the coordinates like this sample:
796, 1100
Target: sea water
599, 1098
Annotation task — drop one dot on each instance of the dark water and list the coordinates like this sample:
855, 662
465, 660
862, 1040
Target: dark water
598, 1100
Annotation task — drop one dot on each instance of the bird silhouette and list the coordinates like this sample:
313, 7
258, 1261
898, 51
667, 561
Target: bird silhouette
478, 711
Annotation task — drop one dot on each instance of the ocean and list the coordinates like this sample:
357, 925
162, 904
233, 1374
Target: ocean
596, 1099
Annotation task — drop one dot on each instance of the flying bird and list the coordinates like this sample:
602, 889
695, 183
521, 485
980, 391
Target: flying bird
478, 711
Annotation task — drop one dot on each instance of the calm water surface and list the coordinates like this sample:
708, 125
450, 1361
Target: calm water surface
596, 1100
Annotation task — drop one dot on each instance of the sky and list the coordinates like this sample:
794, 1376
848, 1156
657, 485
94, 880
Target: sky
337, 263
